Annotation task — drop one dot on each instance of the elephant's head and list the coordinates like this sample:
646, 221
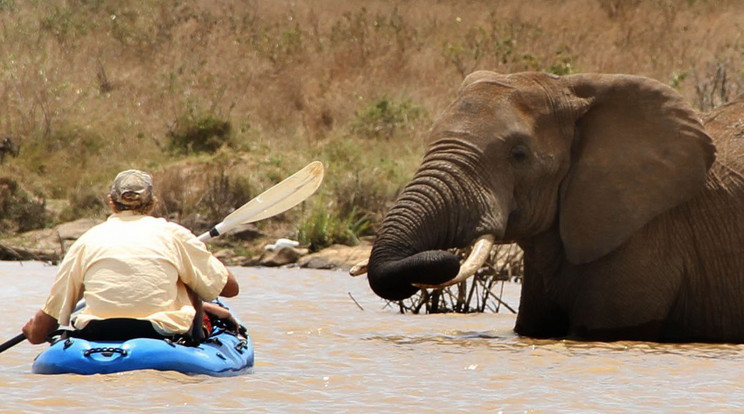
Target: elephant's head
593, 157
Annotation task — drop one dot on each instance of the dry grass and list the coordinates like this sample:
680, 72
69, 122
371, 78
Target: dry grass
90, 88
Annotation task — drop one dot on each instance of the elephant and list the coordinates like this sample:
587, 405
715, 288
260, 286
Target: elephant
628, 206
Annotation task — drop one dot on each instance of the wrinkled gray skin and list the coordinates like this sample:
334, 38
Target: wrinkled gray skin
631, 229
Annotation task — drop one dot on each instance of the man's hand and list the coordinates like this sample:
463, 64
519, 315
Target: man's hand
219, 312
38, 327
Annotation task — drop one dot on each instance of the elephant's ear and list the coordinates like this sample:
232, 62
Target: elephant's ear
638, 151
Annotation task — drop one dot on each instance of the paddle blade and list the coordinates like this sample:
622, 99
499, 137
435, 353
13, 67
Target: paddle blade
281, 197
277, 199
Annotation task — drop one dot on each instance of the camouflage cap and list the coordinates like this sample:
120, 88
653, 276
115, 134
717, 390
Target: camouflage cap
132, 188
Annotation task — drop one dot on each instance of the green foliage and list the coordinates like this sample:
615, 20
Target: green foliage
84, 201
88, 84
6, 5
79, 144
363, 178
195, 133
496, 44
477, 44
66, 24
677, 79
493, 44
385, 118
62, 156
324, 227
363, 192
20, 212
562, 65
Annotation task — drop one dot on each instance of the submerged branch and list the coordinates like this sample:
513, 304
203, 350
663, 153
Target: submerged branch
475, 294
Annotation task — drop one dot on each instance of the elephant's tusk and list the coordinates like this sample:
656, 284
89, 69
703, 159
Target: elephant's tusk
359, 268
475, 261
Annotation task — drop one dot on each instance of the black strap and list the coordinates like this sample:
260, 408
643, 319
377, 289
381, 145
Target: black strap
117, 329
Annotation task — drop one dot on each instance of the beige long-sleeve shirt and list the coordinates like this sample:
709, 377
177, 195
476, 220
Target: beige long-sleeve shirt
135, 266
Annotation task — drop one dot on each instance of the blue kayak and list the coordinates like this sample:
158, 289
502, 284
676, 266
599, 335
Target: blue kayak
224, 353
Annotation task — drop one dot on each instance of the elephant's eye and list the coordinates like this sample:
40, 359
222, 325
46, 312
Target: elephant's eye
519, 153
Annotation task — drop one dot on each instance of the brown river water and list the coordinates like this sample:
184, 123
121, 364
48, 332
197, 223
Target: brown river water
318, 352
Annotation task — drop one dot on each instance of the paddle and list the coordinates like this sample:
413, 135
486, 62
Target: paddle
21, 337
12, 342
277, 199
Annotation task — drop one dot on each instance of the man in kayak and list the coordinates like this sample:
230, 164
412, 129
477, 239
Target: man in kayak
135, 272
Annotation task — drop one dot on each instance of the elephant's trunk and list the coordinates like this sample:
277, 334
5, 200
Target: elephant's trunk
443, 207
476, 259
394, 280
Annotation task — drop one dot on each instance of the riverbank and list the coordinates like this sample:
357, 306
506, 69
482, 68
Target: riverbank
220, 100
49, 245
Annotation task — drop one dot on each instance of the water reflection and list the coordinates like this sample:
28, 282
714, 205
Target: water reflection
690, 350
455, 338
319, 351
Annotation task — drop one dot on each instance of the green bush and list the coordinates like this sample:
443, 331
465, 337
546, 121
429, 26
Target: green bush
199, 133
384, 118
324, 227
363, 193
85, 201
20, 212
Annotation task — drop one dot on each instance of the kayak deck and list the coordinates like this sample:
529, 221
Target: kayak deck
224, 353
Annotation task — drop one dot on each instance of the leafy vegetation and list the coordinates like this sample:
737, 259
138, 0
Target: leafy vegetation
19, 211
222, 99
198, 133
387, 119
324, 227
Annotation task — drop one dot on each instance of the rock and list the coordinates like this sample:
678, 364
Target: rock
246, 232
20, 253
279, 257
195, 222
337, 256
45, 244
229, 258
74, 229
224, 254
51, 244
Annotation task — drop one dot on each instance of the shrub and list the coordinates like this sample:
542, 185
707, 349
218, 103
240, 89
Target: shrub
198, 133
223, 195
20, 212
182, 194
384, 118
85, 201
363, 193
324, 227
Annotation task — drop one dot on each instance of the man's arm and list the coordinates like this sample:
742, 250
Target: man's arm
38, 327
231, 287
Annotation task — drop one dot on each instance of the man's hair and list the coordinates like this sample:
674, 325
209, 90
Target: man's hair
143, 209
